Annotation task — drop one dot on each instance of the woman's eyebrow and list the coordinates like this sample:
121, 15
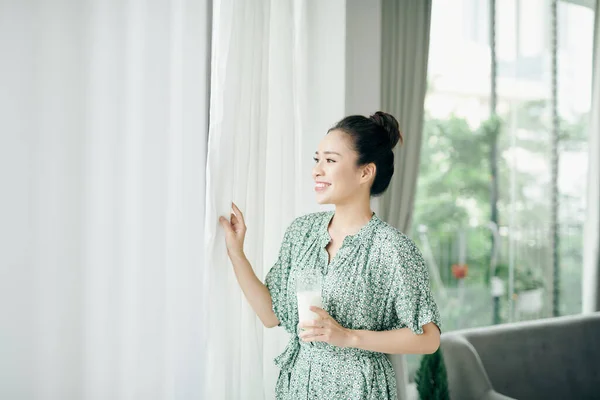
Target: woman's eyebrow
329, 152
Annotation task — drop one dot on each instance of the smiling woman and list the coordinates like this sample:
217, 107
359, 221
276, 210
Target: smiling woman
374, 292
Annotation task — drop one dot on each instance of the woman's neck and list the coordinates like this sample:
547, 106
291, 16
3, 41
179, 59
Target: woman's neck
349, 219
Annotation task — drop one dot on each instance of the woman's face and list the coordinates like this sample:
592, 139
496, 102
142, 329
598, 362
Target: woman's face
337, 178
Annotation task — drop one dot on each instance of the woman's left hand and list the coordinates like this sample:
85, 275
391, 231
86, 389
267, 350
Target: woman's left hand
325, 329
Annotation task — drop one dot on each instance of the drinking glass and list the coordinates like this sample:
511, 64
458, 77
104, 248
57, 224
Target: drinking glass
308, 292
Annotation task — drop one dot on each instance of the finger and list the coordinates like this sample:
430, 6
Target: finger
225, 224
305, 324
317, 338
310, 333
320, 312
238, 212
310, 325
313, 332
305, 333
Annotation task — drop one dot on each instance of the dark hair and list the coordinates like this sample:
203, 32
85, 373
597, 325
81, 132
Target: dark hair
374, 138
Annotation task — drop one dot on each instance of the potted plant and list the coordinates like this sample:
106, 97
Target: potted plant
529, 290
528, 287
431, 377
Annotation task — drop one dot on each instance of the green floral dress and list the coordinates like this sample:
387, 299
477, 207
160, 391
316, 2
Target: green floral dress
376, 281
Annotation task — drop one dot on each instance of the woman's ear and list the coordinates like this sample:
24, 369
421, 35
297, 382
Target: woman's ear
368, 172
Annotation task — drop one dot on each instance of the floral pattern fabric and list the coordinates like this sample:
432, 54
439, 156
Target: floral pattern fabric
376, 281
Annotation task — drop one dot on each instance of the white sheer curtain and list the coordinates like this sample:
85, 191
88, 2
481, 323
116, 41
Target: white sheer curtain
258, 92
104, 129
591, 268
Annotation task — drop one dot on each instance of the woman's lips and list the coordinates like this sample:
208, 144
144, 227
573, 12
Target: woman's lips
321, 186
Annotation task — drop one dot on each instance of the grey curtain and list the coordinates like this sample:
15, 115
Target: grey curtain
405, 49
591, 269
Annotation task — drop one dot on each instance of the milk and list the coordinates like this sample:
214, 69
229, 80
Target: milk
305, 300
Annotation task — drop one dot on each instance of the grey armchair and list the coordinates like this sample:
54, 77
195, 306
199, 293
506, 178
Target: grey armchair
466, 375
552, 358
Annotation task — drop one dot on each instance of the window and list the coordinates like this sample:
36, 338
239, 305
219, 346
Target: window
452, 222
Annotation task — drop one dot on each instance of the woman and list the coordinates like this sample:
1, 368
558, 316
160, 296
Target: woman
375, 290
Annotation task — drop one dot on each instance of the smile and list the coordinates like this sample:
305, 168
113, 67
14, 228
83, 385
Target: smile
319, 187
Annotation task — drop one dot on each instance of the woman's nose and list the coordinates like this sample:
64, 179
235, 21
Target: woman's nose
317, 171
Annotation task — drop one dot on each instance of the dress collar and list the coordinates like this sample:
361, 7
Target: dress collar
358, 237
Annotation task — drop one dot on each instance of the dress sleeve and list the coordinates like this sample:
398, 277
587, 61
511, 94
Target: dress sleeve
277, 279
413, 302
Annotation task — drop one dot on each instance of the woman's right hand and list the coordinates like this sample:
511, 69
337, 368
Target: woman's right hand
235, 230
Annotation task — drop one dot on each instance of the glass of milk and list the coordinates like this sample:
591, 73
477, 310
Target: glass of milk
308, 292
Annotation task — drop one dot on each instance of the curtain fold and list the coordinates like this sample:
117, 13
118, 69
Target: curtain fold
257, 109
591, 262
108, 130
404, 56
405, 51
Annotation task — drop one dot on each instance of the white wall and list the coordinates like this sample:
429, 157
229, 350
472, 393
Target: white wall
363, 60
326, 83
344, 49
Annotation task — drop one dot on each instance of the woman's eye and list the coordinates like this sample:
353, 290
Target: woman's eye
327, 159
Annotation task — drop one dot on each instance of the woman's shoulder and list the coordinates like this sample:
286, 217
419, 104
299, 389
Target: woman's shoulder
393, 237
307, 222
396, 246
312, 218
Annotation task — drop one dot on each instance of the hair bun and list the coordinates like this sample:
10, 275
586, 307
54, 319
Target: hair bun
390, 126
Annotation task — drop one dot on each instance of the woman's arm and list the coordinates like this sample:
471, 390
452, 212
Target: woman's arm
397, 341
255, 291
